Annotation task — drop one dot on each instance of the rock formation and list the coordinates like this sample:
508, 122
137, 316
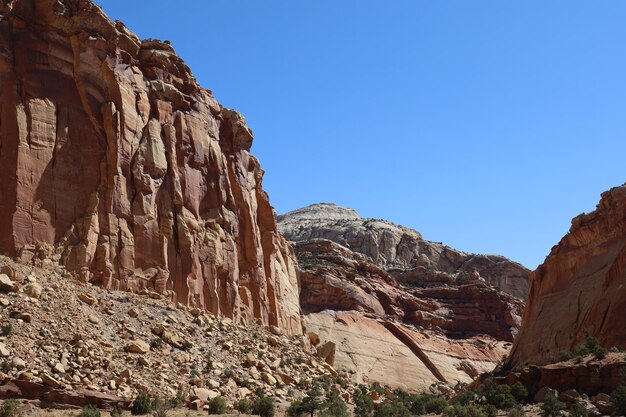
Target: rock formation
579, 290
118, 165
436, 323
401, 251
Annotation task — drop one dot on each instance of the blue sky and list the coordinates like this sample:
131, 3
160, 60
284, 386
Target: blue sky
486, 125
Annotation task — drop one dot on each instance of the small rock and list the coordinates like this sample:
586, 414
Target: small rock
4, 352
133, 313
93, 319
50, 381
33, 290
269, 378
6, 284
18, 363
138, 346
276, 331
314, 338
87, 299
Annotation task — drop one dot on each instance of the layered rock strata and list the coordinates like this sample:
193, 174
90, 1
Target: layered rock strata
417, 334
118, 165
579, 291
401, 251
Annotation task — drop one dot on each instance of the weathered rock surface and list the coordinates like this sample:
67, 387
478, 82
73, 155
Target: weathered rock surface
407, 336
116, 164
579, 290
401, 251
335, 278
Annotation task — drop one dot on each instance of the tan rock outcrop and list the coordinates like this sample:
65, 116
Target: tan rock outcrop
118, 165
579, 290
401, 251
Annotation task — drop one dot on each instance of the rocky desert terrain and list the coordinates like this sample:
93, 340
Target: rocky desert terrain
143, 269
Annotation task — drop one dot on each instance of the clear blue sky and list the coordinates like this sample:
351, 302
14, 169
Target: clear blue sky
486, 125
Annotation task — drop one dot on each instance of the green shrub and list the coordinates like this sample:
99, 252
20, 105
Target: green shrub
264, 407
116, 411
334, 406
311, 403
243, 406
499, 396
618, 400
434, 404
552, 407
578, 410
217, 405
9, 408
7, 330
156, 343
89, 411
519, 392
459, 410
186, 346
142, 405
392, 407
363, 404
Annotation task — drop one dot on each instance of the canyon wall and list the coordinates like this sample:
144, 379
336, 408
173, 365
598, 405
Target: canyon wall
579, 290
118, 165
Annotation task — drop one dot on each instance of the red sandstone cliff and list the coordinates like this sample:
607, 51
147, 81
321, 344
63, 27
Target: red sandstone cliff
580, 290
117, 164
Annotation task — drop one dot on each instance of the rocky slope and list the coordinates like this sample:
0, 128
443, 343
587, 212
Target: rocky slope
401, 251
579, 290
66, 343
116, 164
430, 330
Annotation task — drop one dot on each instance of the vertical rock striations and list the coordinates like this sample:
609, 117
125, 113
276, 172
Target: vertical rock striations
115, 162
579, 290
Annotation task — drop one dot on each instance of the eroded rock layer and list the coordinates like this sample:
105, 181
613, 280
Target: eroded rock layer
436, 328
579, 290
401, 251
117, 164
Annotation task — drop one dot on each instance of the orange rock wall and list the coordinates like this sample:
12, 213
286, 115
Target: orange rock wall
111, 152
580, 290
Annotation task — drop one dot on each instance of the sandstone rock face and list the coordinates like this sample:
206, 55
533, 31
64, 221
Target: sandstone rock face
335, 278
118, 165
407, 334
401, 251
579, 290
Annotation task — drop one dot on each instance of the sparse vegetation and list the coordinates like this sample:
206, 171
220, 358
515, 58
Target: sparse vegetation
552, 407
618, 401
578, 410
89, 411
264, 407
591, 346
217, 405
9, 408
156, 343
142, 405
243, 406
6, 330
363, 404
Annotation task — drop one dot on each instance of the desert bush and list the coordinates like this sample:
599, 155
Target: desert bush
392, 407
243, 406
618, 401
156, 343
499, 396
459, 410
7, 330
519, 392
264, 407
217, 405
578, 410
552, 407
9, 408
363, 404
141, 405
116, 411
89, 411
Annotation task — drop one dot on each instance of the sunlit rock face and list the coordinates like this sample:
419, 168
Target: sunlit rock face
580, 289
401, 251
400, 310
117, 164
